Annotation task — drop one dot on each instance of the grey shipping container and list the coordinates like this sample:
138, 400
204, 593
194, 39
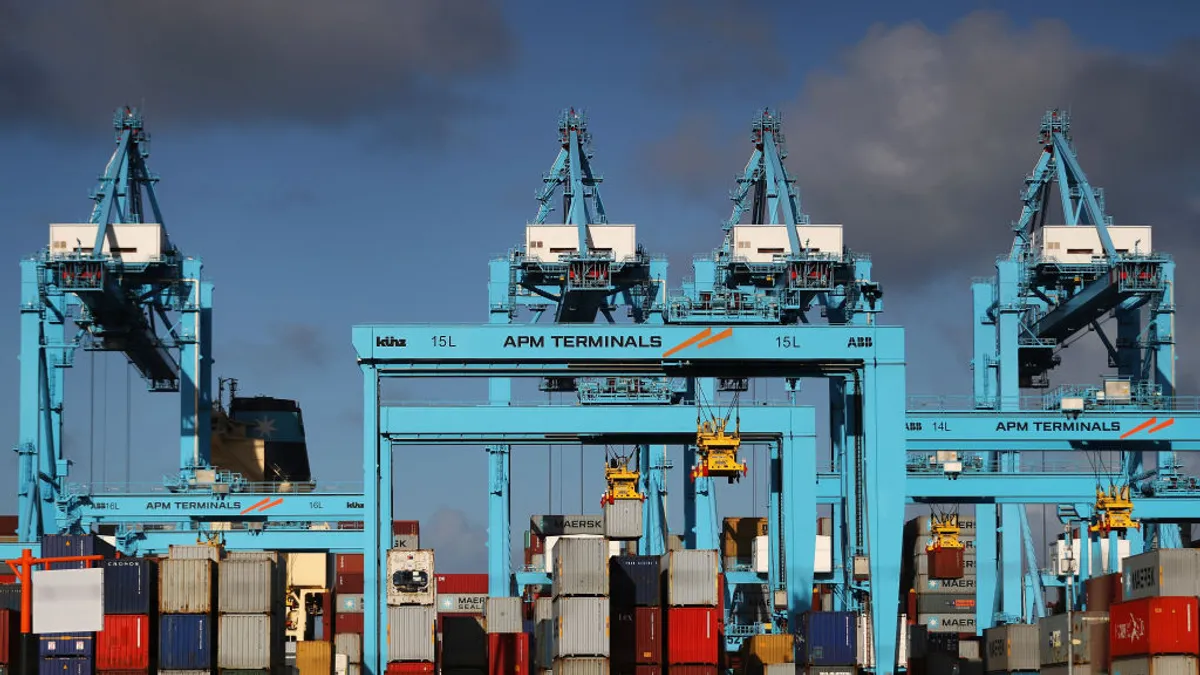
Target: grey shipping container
543, 609
543, 644
1077, 669
411, 633
580, 567
247, 587
948, 623
186, 586
1089, 632
939, 603
349, 644
557, 526
623, 519
581, 666
273, 556
1162, 572
812, 670
1011, 648
503, 615
1156, 665
464, 642
185, 672
406, 542
248, 642
201, 552
691, 578
969, 650
923, 584
581, 627
459, 603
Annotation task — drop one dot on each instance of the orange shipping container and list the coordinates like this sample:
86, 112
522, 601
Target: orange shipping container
737, 536
764, 650
314, 657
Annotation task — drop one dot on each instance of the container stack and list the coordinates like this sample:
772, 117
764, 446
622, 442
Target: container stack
250, 612
1013, 648
130, 616
543, 635
1154, 629
1080, 638
10, 645
412, 610
580, 586
636, 612
827, 640
70, 654
694, 610
187, 593
349, 645
865, 638
943, 605
348, 592
462, 601
508, 644
738, 536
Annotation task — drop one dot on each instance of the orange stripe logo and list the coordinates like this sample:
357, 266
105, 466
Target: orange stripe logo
262, 505
1150, 426
702, 339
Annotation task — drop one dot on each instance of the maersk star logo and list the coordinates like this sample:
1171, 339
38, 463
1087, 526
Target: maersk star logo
264, 427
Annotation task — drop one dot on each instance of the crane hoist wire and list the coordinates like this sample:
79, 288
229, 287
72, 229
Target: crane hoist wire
717, 450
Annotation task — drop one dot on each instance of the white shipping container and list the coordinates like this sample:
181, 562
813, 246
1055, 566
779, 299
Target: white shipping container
623, 519
691, 578
761, 243
964, 586
823, 555
1064, 562
963, 622
461, 603
504, 615
866, 641
341, 664
349, 644
412, 633
185, 586
411, 580
581, 627
1155, 665
1012, 648
246, 586
248, 642
202, 552
581, 567
307, 570
1162, 572
549, 243
581, 666
1079, 244
131, 242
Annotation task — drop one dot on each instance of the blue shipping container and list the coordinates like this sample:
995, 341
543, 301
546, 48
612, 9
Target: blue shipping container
185, 642
65, 667
827, 639
63, 545
10, 597
66, 644
129, 586
634, 581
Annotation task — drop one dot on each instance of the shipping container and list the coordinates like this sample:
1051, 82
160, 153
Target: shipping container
635, 581
558, 526
66, 644
924, 584
412, 668
1011, 648
462, 604
248, 642
737, 537
67, 545
827, 639
691, 578
970, 649
762, 650
308, 570
580, 567
1077, 669
348, 563
10, 597
581, 626
130, 586
636, 635
947, 622
349, 644
865, 648
186, 586
1154, 625
273, 556
921, 563
623, 519
1162, 572
942, 603
185, 642
504, 615
693, 669
346, 623
1088, 631
346, 583
76, 666
315, 657
411, 633
410, 578
508, 654
464, 642
1155, 665
462, 584
10, 636
819, 670
350, 603
247, 587
945, 563
693, 635
198, 552
1103, 592
124, 644
790, 669
924, 527
581, 666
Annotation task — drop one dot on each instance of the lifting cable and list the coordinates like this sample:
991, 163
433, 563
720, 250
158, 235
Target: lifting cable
91, 424
128, 427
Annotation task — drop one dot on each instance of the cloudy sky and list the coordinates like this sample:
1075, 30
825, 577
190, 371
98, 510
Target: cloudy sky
341, 163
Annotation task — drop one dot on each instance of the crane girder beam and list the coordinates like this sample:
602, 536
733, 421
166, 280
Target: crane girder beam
1053, 431
231, 507
1097, 298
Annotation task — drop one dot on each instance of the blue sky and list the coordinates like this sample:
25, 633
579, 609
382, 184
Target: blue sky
334, 167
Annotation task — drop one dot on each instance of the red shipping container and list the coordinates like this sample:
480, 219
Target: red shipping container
637, 636
1153, 626
615, 669
127, 672
10, 637
693, 635
508, 653
8, 578
405, 668
348, 563
406, 527
348, 623
351, 584
462, 584
946, 563
124, 644
692, 670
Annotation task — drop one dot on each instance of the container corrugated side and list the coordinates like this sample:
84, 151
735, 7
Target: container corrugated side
847, 670
185, 642
349, 644
67, 644
273, 556
504, 615
543, 643
124, 644
464, 642
828, 639
581, 626
74, 666
413, 569
1155, 625
1055, 639
246, 587
186, 586
922, 584
637, 634
1155, 665
200, 552
1163, 572
248, 642
130, 586
963, 622
623, 519
314, 657
10, 635
1014, 647
411, 633
635, 580
790, 669
580, 567
543, 609
10, 597
693, 635
942, 603
309, 570
581, 666
67, 545
691, 578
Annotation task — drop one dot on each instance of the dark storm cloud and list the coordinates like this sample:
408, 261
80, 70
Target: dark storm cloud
64, 62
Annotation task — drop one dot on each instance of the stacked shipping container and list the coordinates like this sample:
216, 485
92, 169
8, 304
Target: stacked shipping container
635, 600
695, 617
1154, 629
580, 606
130, 616
827, 639
462, 600
943, 605
412, 612
187, 593
1080, 639
250, 612
73, 654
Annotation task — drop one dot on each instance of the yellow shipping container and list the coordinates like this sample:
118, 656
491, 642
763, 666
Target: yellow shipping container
307, 570
764, 650
737, 536
314, 657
